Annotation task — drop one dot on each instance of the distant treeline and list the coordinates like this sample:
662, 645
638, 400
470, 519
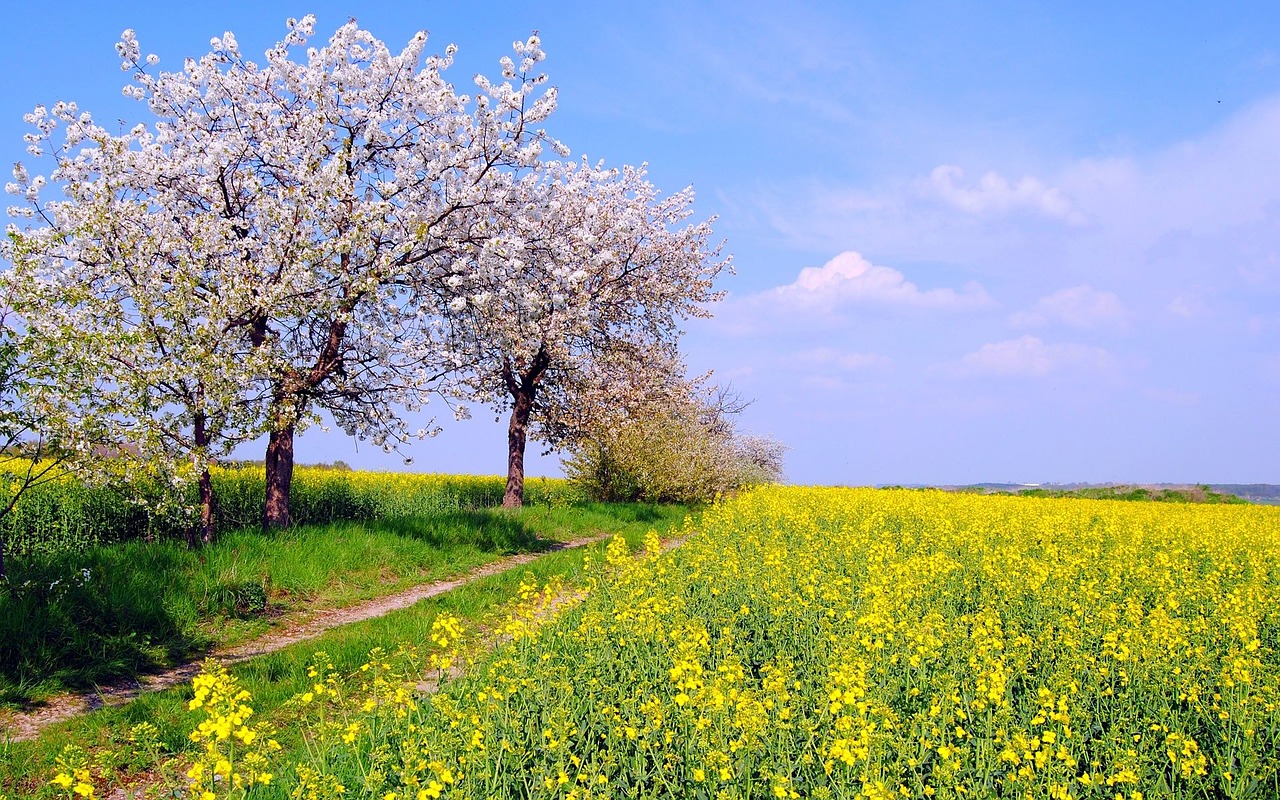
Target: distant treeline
1203, 493
1268, 493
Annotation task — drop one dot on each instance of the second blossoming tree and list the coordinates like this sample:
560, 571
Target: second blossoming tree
574, 298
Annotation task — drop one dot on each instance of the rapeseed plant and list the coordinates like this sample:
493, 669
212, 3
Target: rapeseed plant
234, 754
834, 643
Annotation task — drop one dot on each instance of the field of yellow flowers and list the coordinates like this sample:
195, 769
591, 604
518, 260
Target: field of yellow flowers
836, 643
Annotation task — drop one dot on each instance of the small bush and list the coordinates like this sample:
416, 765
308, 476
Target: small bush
685, 454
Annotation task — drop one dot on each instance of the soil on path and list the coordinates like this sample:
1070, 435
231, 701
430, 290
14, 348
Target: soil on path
295, 628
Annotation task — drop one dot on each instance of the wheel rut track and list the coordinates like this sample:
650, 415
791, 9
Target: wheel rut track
28, 725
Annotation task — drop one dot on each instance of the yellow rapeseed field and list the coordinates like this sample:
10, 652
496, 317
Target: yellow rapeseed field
841, 643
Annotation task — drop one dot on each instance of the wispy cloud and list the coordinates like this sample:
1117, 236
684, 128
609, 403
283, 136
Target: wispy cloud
849, 278
995, 195
1209, 200
1188, 305
830, 357
1030, 357
1078, 307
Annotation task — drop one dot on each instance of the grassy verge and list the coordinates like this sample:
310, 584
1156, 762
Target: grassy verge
25, 767
75, 620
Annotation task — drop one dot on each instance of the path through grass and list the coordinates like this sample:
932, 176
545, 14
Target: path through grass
74, 621
275, 677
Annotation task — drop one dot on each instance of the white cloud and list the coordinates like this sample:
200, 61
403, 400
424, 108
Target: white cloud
995, 195
1262, 324
738, 373
850, 278
1029, 356
1078, 307
1205, 209
1213, 183
824, 383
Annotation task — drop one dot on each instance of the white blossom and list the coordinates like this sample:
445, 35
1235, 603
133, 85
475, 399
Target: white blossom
243, 259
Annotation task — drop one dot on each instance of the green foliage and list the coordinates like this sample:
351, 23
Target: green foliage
683, 454
149, 732
77, 618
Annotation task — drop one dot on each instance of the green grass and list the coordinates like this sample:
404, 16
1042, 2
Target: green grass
67, 515
76, 620
25, 767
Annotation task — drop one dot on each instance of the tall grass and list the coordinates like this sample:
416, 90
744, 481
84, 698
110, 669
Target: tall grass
67, 515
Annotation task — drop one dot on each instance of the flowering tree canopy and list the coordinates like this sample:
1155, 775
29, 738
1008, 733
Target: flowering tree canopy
679, 445
274, 243
32, 450
581, 284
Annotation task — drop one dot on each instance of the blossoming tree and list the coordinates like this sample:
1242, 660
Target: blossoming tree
121, 323
272, 244
585, 270
30, 453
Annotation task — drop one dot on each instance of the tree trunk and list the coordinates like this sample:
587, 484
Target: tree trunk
523, 388
279, 463
517, 436
206, 532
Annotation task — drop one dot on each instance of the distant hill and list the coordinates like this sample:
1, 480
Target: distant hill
1267, 493
1264, 493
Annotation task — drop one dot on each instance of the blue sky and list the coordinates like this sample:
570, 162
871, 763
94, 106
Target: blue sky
973, 241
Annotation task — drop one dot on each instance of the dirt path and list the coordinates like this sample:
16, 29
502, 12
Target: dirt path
297, 628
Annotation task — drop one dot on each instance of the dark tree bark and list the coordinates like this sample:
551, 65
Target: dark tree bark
300, 387
205, 533
524, 390
517, 437
279, 465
